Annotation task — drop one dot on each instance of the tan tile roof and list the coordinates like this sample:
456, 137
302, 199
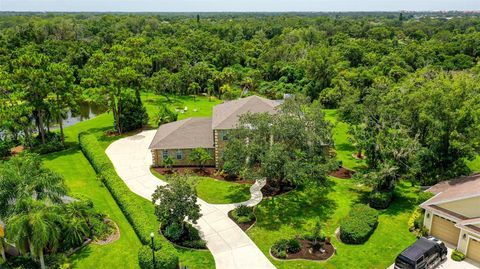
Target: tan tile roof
185, 134
455, 189
226, 115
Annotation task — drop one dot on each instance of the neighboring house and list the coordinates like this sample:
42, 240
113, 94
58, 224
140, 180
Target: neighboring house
453, 214
177, 139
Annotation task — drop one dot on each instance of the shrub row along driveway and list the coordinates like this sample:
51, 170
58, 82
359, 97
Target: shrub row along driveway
229, 245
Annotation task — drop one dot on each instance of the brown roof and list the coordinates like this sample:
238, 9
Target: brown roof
455, 189
226, 115
185, 134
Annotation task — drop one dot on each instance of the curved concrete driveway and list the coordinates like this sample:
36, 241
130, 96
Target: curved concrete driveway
229, 245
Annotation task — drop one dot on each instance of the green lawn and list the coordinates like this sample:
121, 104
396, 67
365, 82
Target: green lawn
343, 146
295, 213
216, 191
203, 106
81, 179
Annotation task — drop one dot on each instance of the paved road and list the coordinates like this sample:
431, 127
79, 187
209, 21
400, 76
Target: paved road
229, 245
451, 264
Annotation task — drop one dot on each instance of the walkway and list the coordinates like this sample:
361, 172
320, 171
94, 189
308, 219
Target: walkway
229, 245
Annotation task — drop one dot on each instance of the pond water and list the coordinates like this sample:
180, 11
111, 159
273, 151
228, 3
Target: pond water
85, 111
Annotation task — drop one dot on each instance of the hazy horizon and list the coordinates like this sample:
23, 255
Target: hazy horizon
236, 6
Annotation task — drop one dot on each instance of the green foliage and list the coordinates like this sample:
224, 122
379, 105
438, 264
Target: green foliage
134, 115
358, 225
424, 196
416, 219
284, 148
176, 202
243, 214
380, 199
458, 256
164, 259
165, 115
168, 162
5, 147
125, 199
174, 231
282, 247
200, 156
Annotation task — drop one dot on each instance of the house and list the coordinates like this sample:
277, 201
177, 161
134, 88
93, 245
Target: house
178, 139
453, 214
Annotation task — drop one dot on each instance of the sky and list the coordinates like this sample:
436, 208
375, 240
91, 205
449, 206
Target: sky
236, 5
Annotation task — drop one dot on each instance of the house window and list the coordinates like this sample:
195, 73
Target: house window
224, 135
179, 155
165, 154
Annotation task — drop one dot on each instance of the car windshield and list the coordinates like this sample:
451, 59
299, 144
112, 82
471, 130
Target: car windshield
403, 263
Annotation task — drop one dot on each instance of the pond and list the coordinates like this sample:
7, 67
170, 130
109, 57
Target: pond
85, 111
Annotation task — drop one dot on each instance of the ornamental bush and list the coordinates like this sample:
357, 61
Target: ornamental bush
458, 256
283, 246
380, 199
164, 258
358, 225
243, 214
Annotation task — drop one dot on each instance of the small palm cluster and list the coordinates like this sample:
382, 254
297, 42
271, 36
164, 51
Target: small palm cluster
39, 217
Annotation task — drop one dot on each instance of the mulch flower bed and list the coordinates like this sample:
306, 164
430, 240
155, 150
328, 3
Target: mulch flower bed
202, 172
270, 191
244, 226
342, 173
308, 253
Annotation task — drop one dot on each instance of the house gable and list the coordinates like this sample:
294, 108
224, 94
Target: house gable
469, 207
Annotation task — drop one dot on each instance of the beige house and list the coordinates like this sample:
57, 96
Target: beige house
453, 214
178, 139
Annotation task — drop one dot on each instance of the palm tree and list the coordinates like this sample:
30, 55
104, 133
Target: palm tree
24, 177
35, 229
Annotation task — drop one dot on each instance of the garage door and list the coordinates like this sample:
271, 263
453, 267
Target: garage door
474, 250
445, 230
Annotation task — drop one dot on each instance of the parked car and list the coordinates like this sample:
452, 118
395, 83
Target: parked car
426, 253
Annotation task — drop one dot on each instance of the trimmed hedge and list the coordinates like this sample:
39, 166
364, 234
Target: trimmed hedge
164, 259
143, 223
458, 256
359, 224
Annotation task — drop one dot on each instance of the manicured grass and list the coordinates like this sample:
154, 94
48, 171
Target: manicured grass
295, 213
81, 179
343, 146
202, 104
216, 191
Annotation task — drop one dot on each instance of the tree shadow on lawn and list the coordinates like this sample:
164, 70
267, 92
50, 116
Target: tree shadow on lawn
345, 147
238, 194
296, 207
80, 255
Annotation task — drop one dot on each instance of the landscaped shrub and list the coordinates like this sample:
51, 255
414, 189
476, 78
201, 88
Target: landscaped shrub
164, 258
243, 214
416, 219
458, 256
359, 224
141, 221
187, 237
283, 246
380, 199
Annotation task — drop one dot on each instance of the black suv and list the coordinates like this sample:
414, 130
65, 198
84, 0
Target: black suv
426, 253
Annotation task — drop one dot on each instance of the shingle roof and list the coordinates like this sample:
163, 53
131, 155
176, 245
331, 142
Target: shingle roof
226, 115
185, 134
455, 189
